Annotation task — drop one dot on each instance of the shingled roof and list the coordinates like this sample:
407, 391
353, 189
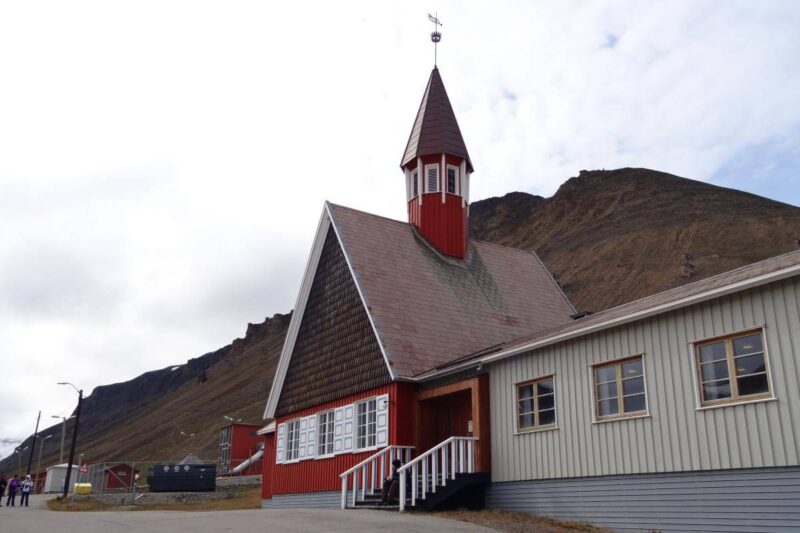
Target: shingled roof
428, 309
435, 129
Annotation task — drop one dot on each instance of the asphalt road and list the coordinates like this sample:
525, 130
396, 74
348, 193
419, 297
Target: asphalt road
38, 519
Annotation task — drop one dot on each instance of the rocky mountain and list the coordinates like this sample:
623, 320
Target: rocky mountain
614, 236
608, 236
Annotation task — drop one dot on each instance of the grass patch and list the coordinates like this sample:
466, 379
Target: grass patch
242, 498
518, 522
70, 505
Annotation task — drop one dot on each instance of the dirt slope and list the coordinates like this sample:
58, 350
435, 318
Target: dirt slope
618, 235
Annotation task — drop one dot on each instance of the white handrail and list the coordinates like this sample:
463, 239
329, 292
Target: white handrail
461, 454
377, 466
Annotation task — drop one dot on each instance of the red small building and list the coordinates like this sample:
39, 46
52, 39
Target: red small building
119, 476
238, 444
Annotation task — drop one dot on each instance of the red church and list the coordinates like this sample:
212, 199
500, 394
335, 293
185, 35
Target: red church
386, 311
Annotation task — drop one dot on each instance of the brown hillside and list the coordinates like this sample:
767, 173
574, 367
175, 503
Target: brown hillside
609, 236
237, 380
614, 236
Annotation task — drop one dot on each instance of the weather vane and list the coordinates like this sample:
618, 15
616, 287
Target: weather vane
436, 35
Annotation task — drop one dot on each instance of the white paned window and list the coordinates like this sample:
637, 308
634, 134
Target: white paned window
415, 183
536, 405
325, 443
293, 440
732, 369
431, 178
452, 178
619, 389
365, 423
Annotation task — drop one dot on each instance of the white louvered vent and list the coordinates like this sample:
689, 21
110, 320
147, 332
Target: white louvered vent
432, 178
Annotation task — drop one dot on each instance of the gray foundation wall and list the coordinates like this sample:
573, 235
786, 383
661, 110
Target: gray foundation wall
752, 500
317, 500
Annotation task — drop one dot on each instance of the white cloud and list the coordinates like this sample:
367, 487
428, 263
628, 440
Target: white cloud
163, 164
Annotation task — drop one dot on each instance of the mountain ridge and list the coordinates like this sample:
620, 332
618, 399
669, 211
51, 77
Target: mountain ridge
608, 236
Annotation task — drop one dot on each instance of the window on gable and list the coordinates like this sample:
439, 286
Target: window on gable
365, 424
619, 389
292, 440
415, 184
741, 356
431, 178
452, 178
325, 428
536, 405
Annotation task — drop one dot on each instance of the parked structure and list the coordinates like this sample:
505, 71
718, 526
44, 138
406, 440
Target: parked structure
119, 476
239, 443
56, 475
679, 411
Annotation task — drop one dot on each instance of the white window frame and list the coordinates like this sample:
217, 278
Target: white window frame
696, 378
292, 455
357, 433
435, 167
535, 429
596, 419
455, 169
325, 433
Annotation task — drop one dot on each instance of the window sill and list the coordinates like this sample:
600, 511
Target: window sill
535, 430
733, 404
370, 449
326, 456
620, 418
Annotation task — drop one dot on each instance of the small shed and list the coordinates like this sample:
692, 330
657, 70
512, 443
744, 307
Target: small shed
56, 475
119, 476
238, 442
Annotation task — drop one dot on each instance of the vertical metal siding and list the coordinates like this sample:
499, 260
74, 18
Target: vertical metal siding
676, 436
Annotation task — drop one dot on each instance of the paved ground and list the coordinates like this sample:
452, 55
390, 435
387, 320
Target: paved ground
38, 518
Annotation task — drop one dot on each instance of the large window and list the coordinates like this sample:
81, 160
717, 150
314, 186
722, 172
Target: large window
619, 389
325, 428
431, 178
292, 440
536, 406
365, 424
732, 369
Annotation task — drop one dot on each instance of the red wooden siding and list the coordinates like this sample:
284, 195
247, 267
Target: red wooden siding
316, 475
444, 224
244, 444
269, 465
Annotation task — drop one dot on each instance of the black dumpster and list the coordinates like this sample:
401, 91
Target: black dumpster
182, 478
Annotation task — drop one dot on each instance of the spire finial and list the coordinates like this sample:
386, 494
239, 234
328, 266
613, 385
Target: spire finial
436, 36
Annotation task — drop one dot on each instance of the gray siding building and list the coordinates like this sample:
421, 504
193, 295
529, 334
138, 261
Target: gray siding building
677, 412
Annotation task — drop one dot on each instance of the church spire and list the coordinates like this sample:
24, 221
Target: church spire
437, 167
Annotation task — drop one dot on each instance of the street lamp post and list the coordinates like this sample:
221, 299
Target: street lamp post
33, 443
63, 432
19, 451
74, 436
39, 462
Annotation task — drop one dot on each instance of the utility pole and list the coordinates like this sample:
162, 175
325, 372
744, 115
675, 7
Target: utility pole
33, 444
74, 438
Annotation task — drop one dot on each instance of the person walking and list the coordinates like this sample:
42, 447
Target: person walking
3, 483
26, 488
13, 487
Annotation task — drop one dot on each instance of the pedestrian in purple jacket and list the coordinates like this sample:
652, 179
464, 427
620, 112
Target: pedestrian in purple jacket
13, 487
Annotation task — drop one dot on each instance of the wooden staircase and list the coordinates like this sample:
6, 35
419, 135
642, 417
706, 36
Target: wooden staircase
443, 476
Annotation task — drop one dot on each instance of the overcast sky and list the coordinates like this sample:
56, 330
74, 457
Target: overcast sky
163, 165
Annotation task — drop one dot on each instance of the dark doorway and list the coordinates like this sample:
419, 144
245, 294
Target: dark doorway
444, 417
